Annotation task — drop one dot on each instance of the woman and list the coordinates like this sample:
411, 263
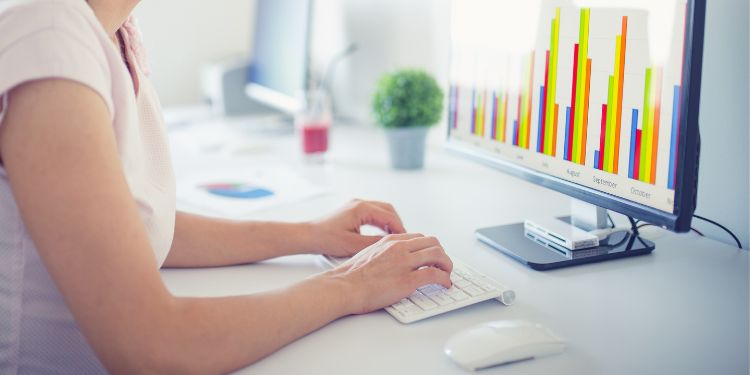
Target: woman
87, 216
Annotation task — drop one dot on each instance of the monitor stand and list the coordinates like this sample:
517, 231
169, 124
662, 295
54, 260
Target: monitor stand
513, 241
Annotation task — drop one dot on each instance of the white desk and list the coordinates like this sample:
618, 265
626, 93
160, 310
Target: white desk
681, 310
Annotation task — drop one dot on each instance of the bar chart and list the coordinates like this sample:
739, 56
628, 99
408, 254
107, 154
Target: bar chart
591, 80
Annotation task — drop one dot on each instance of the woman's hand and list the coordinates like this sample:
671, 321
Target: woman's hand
391, 269
339, 234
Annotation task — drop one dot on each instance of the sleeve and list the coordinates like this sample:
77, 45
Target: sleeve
32, 52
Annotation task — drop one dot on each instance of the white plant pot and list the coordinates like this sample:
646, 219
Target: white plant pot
407, 146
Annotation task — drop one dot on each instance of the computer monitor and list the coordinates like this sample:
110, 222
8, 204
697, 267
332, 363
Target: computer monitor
278, 70
597, 99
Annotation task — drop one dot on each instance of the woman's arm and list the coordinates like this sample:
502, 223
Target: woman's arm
59, 151
202, 241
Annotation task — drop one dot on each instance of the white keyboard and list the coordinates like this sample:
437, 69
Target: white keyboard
469, 287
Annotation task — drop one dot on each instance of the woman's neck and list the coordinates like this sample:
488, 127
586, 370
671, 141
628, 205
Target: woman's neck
112, 13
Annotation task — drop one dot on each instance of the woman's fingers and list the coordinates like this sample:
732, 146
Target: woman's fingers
430, 275
382, 217
431, 257
418, 243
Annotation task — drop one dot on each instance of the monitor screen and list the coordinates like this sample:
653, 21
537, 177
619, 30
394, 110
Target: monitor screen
278, 67
584, 92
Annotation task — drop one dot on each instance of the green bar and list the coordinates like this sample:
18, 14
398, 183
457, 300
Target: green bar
552, 89
583, 41
608, 129
643, 173
612, 111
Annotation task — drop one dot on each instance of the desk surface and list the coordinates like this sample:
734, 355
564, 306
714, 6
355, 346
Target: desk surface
681, 310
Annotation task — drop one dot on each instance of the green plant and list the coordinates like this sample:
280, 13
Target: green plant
407, 97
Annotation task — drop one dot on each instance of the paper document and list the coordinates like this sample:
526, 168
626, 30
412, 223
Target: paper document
239, 191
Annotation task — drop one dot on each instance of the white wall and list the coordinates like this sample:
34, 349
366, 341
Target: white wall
723, 174
181, 36
390, 34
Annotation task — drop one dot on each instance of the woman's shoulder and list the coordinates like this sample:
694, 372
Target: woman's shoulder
20, 19
54, 39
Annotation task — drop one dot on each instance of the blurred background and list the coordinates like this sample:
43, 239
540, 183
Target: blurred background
183, 37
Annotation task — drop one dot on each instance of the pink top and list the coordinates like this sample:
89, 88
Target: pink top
63, 39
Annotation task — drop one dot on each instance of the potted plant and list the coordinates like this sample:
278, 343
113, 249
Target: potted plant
406, 103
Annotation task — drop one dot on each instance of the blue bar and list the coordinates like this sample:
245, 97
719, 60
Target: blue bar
567, 129
633, 128
539, 132
473, 111
494, 116
596, 159
673, 138
515, 132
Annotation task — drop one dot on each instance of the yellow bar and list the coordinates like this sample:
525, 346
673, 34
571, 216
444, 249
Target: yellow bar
612, 112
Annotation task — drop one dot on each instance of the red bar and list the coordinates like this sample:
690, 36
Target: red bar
637, 159
585, 125
601, 137
569, 146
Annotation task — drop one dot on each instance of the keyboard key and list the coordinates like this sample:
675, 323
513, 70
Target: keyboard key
406, 306
441, 298
484, 284
422, 301
473, 290
430, 288
456, 294
462, 283
455, 277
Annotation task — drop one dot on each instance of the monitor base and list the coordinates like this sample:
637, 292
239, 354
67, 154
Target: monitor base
512, 241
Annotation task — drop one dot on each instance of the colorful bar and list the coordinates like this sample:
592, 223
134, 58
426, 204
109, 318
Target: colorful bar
633, 129
516, 123
637, 161
566, 151
551, 89
621, 84
493, 132
583, 137
546, 141
645, 127
613, 128
606, 150
648, 145
504, 117
654, 146
596, 159
524, 105
570, 123
540, 127
583, 80
529, 99
553, 152
543, 104
473, 111
600, 158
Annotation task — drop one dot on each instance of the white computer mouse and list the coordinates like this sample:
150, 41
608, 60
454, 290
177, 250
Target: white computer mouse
502, 342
